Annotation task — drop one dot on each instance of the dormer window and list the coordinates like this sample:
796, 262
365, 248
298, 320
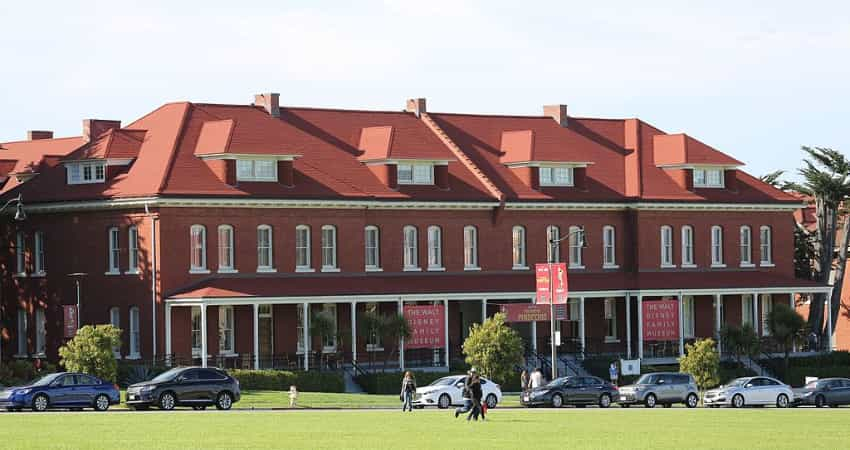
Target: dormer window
556, 176
708, 178
256, 170
86, 172
415, 173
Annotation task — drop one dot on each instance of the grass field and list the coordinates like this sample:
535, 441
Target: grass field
537, 428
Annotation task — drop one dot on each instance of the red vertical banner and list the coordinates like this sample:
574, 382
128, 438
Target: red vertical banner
541, 275
559, 275
70, 320
545, 280
427, 326
660, 320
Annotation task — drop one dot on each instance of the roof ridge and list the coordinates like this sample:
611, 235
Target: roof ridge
175, 146
462, 157
23, 141
318, 108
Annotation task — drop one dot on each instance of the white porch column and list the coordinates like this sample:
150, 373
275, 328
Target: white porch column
793, 307
203, 335
446, 329
640, 325
718, 305
256, 336
483, 310
629, 326
168, 334
829, 320
305, 317
581, 323
681, 327
756, 315
401, 339
354, 331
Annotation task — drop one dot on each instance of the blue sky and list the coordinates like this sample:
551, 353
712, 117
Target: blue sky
756, 80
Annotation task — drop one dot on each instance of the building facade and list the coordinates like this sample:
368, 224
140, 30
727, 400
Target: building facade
219, 230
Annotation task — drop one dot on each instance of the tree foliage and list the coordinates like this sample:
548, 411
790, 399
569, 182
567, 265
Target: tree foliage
703, 362
785, 324
740, 341
494, 348
90, 351
395, 327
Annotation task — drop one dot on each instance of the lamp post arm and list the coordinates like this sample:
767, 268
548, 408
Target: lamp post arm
17, 199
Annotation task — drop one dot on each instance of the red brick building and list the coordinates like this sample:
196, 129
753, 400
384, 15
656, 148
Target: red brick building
215, 229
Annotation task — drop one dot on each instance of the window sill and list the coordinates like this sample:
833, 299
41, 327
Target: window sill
610, 266
228, 354
668, 266
688, 266
228, 271
304, 270
413, 269
112, 273
747, 265
767, 264
330, 269
20, 356
472, 269
328, 351
132, 272
199, 271
435, 269
521, 268
611, 340
576, 267
266, 270
374, 269
134, 356
718, 266
19, 275
38, 275
374, 349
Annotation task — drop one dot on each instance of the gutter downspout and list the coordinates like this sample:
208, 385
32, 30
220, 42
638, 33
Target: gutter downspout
153, 278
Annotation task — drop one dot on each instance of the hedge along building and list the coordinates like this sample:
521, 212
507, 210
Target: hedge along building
219, 230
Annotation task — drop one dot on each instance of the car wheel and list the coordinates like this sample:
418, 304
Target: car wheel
557, 401
650, 401
224, 401
40, 403
167, 402
782, 401
604, 401
491, 401
820, 401
738, 401
199, 408
692, 401
101, 403
444, 401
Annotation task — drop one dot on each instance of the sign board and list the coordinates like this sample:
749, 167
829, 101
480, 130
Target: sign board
525, 312
660, 320
557, 338
558, 277
629, 367
70, 320
427, 326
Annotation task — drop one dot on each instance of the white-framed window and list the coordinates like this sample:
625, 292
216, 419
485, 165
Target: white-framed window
576, 241
555, 176
518, 247
329, 342
574, 312
39, 262
666, 246
114, 236
766, 308
372, 244
256, 170
302, 248
115, 321
553, 243
196, 331
717, 246
373, 341
419, 173
610, 319
329, 263
765, 246
748, 313
411, 252
708, 178
133, 249
225, 248
299, 327
225, 330
22, 332
135, 342
198, 248
265, 252
746, 242
609, 246
86, 172
40, 332
20, 253
687, 246
470, 247
688, 316
435, 247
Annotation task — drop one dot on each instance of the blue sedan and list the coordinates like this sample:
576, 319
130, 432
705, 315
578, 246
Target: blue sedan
61, 390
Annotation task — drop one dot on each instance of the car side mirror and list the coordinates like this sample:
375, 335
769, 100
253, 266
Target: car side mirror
180, 379
748, 385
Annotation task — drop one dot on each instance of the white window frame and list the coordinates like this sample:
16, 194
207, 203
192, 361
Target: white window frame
114, 238
410, 248
576, 248
135, 325
329, 249
22, 333
226, 329
747, 310
115, 321
247, 170
435, 248
667, 246
303, 249
609, 247
300, 345
553, 232
745, 240
226, 262
470, 248
610, 314
331, 307
374, 343
372, 248
549, 176
420, 173
132, 250
688, 247
702, 177
88, 172
265, 249
717, 246
518, 248
40, 333
766, 246
766, 302
195, 315
688, 316
39, 268
198, 249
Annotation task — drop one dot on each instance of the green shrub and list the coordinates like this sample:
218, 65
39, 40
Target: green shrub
280, 380
90, 351
21, 371
494, 348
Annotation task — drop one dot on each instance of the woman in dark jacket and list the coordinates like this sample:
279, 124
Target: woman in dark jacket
477, 394
408, 387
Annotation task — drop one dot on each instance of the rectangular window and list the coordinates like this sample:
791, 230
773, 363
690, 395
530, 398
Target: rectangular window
372, 244
39, 253
518, 247
666, 246
302, 247
133, 249
134, 332
86, 172
329, 342
198, 242
225, 248
115, 321
555, 176
747, 310
196, 330
470, 247
435, 247
256, 170
40, 332
22, 332
746, 246
609, 253
373, 341
225, 329
114, 250
553, 245
765, 246
687, 246
415, 173
329, 247
299, 327
411, 258
688, 316
610, 319
574, 312
576, 241
708, 178
766, 308
716, 246
20, 253
264, 248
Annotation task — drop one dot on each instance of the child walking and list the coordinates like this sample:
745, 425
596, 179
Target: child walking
293, 396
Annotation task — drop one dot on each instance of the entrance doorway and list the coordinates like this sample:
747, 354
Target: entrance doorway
265, 333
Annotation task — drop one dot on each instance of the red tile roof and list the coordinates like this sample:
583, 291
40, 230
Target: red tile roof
112, 144
681, 149
24, 156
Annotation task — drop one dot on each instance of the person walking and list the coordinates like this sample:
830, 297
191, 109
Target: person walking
523, 381
467, 394
614, 373
475, 389
408, 387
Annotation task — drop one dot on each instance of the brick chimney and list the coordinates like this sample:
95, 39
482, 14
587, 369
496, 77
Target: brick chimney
35, 135
416, 106
557, 112
270, 102
92, 128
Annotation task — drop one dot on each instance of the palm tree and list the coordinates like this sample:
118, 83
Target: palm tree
785, 324
395, 328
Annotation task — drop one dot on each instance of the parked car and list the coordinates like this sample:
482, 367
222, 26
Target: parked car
830, 392
579, 391
185, 386
748, 391
61, 390
663, 388
448, 391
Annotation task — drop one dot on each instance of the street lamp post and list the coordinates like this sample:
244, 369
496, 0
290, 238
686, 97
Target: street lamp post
20, 216
78, 277
553, 241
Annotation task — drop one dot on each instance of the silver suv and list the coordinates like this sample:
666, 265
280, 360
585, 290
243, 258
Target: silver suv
664, 388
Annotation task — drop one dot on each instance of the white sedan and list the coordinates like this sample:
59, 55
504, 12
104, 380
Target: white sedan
749, 391
448, 391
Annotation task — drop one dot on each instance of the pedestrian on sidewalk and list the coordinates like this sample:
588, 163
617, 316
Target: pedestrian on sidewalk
467, 394
523, 381
475, 389
536, 378
408, 387
293, 396
614, 373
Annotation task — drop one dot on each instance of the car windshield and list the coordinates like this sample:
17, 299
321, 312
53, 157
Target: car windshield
738, 382
812, 384
647, 379
558, 381
447, 381
168, 375
47, 379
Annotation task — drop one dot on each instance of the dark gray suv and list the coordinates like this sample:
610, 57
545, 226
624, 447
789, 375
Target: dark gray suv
663, 388
185, 386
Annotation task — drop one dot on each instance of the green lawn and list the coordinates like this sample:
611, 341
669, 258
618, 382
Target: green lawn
537, 428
